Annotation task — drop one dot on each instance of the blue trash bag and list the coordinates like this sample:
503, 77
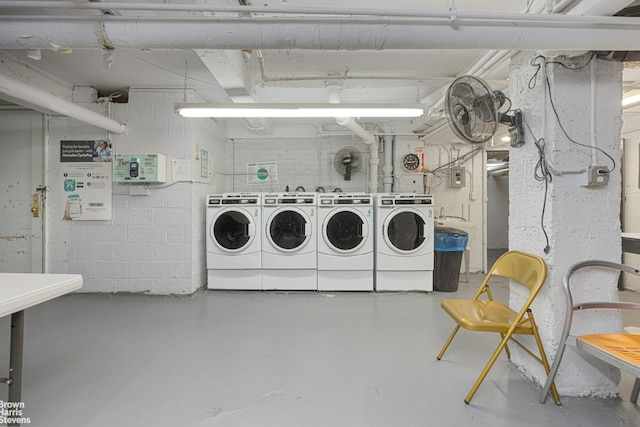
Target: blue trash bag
450, 239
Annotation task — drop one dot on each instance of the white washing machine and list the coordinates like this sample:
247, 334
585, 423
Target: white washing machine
234, 241
289, 258
404, 242
345, 242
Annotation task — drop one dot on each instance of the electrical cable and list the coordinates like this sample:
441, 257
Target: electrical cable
553, 107
541, 173
532, 84
461, 158
542, 169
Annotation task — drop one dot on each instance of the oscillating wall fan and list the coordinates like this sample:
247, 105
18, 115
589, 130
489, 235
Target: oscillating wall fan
473, 111
347, 162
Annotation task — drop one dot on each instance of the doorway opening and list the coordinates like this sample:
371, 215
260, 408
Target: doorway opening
497, 204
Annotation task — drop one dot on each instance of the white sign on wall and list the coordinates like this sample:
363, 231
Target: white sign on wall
85, 175
262, 173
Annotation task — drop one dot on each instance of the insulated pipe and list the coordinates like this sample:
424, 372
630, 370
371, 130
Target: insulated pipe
387, 169
370, 140
367, 138
584, 7
348, 122
29, 96
354, 127
374, 162
451, 15
25, 32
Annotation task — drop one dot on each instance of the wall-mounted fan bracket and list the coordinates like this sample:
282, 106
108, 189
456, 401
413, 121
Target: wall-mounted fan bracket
347, 162
515, 128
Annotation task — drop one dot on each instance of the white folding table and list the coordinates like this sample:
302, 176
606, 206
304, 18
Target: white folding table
18, 292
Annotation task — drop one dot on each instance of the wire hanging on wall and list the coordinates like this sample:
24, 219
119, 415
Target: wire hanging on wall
532, 83
544, 170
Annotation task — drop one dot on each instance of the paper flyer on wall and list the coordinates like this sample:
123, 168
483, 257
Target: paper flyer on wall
262, 173
86, 184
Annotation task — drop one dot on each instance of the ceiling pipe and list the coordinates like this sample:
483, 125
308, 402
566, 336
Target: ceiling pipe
451, 15
494, 57
348, 122
39, 100
387, 169
481, 68
588, 33
359, 131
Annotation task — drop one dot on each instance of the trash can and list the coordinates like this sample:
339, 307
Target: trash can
449, 245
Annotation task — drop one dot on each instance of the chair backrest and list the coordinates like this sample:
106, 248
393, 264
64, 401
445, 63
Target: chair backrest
566, 286
523, 267
526, 268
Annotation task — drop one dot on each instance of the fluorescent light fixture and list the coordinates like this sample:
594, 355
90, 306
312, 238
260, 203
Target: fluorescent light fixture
299, 110
631, 100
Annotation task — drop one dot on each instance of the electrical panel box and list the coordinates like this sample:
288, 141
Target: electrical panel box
457, 177
140, 168
597, 176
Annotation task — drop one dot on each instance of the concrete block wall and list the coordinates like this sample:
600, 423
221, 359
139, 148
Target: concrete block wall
309, 162
207, 135
306, 162
154, 243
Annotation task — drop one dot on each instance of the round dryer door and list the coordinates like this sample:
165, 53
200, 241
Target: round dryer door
405, 231
289, 230
345, 230
233, 230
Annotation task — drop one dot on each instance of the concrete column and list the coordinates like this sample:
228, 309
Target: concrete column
581, 222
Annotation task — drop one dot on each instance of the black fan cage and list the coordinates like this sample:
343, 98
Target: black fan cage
472, 109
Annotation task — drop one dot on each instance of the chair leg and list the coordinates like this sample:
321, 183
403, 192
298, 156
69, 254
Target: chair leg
545, 362
506, 348
551, 375
635, 391
486, 369
446, 345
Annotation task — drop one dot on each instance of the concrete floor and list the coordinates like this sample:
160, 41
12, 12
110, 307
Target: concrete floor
275, 359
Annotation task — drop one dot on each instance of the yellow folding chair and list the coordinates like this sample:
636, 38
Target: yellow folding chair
488, 315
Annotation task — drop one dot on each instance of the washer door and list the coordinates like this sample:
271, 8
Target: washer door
406, 231
233, 230
345, 230
289, 230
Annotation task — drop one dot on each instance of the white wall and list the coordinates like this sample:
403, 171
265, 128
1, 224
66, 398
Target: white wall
631, 199
498, 212
306, 162
465, 202
154, 243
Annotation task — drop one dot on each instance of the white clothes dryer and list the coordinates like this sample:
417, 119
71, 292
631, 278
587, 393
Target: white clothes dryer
289, 258
234, 242
404, 242
345, 242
